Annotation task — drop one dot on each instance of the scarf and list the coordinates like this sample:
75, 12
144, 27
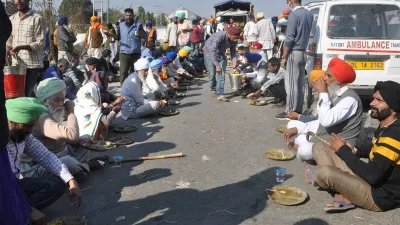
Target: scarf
88, 109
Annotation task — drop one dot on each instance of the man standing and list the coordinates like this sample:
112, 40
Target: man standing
184, 30
130, 36
171, 36
266, 34
297, 36
95, 38
372, 185
66, 39
27, 42
215, 58
197, 34
151, 34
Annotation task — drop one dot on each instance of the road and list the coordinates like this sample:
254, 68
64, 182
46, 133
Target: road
222, 180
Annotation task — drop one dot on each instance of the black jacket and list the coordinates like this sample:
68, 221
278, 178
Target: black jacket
6, 26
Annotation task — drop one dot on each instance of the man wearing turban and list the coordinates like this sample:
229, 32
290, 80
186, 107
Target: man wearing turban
215, 58
339, 111
250, 31
257, 48
257, 78
151, 33
42, 191
58, 138
157, 86
65, 38
372, 185
95, 38
210, 29
136, 104
266, 35
171, 35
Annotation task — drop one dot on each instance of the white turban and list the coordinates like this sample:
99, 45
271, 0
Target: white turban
142, 63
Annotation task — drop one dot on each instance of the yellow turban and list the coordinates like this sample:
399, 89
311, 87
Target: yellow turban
165, 47
183, 53
316, 74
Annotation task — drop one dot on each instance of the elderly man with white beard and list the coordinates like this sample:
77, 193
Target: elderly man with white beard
339, 111
154, 81
62, 140
137, 104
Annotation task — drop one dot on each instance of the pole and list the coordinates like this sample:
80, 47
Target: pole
108, 9
101, 16
93, 3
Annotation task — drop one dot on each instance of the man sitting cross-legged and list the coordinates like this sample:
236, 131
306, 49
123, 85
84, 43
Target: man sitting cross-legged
372, 185
137, 105
339, 110
41, 191
154, 81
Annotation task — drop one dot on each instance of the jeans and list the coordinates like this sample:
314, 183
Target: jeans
127, 62
148, 108
217, 81
42, 191
31, 80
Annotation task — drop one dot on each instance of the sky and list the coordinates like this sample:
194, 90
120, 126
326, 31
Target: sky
203, 8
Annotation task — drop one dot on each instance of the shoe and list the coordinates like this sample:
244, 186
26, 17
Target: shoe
223, 99
282, 116
214, 94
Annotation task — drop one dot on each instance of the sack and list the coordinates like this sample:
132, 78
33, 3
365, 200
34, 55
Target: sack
183, 39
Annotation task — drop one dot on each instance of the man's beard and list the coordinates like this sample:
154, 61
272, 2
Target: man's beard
57, 114
333, 89
380, 114
17, 136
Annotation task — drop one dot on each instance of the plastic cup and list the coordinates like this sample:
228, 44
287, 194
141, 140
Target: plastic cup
118, 161
280, 175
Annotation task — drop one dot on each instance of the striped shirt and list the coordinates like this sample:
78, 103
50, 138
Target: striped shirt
40, 154
28, 30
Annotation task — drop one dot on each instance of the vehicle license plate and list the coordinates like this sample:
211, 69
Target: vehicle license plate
367, 65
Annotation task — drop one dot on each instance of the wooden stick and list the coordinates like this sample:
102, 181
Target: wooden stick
143, 158
318, 138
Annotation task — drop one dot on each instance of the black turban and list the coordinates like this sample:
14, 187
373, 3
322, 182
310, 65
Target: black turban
390, 92
91, 61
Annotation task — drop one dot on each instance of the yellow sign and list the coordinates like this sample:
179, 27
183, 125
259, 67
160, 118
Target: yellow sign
367, 65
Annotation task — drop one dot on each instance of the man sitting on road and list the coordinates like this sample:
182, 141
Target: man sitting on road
58, 71
181, 62
372, 185
41, 191
339, 110
154, 80
137, 105
257, 78
274, 83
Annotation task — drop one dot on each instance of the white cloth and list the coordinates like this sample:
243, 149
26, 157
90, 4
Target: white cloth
95, 52
65, 55
155, 83
88, 109
281, 23
171, 36
266, 33
250, 32
220, 27
345, 109
142, 63
304, 152
395, 20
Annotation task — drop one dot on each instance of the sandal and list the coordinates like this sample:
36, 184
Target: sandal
99, 163
342, 208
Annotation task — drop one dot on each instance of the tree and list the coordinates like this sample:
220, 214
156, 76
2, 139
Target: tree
114, 15
78, 11
141, 15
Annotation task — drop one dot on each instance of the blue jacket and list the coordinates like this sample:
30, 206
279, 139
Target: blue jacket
129, 42
53, 71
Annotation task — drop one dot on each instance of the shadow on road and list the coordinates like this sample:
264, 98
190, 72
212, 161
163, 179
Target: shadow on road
312, 221
229, 204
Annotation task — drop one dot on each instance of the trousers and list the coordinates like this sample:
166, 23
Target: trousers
127, 62
144, 110
31, 80
294, 81
334, 174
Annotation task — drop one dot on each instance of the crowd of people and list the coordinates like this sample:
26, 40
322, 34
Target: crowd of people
44, 131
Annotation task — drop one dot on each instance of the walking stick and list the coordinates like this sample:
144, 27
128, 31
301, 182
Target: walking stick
279, 50
143, 158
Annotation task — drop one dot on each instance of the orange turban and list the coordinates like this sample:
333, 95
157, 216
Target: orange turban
212, 20
343, 72
316, 74
281, 16
94, 18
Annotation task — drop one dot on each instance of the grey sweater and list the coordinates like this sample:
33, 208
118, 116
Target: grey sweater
298, 29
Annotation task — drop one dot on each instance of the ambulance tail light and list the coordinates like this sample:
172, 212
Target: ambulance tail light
318, 62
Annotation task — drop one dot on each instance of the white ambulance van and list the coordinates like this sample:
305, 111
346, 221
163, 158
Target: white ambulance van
365, 33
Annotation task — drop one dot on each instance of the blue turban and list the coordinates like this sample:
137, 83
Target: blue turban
165, 60
149, 24
253, 57
274, 19
62, 21
172, 55
156, 64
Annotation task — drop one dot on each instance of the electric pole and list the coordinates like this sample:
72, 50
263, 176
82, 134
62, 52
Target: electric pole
108, 9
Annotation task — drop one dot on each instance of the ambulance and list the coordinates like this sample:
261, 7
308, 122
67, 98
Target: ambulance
364, 33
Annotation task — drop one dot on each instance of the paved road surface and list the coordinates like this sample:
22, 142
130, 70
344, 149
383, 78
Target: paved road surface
234, 137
